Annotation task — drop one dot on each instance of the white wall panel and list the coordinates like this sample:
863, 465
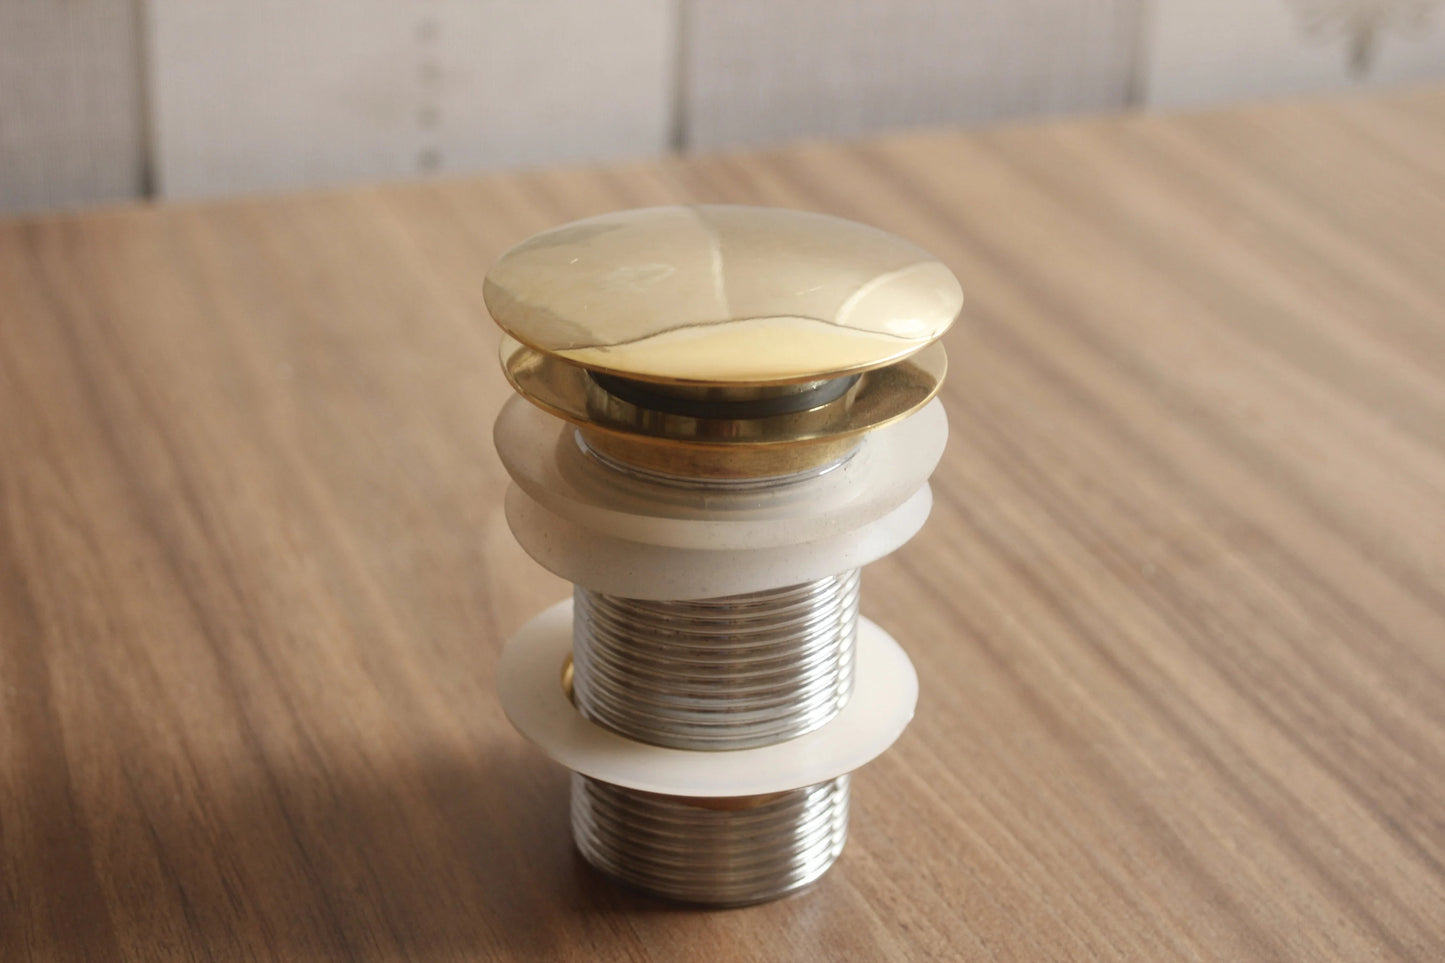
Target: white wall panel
1213, 51
760, 70
264, 94
261, 94
70, 103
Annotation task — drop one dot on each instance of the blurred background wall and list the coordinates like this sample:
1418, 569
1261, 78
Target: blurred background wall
103, 100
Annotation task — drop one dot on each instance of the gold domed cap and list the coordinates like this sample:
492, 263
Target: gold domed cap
722, 295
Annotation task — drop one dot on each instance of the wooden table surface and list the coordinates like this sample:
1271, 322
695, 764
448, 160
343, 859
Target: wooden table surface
1179, 613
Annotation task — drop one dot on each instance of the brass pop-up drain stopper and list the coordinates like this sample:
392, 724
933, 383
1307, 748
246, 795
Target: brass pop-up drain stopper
731, 411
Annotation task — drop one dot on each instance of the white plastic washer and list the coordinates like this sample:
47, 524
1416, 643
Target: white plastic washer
529, 682
619, 566
540, 452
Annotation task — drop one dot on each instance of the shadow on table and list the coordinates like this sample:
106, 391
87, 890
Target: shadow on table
439, 857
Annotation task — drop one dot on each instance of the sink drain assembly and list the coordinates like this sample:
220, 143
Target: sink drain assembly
723, 413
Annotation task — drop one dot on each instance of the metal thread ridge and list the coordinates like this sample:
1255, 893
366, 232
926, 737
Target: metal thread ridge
720, 852
734, 672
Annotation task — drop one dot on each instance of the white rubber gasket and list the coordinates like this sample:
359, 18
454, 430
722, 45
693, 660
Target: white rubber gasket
885, 692
619, 566
541, 454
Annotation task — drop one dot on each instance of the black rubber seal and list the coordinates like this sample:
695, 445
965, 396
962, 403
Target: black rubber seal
656, 398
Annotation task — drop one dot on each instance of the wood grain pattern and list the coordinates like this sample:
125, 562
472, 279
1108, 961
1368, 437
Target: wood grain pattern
1179, 615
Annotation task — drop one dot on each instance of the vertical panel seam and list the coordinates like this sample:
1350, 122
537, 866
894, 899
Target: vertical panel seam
678, 125
1140, 21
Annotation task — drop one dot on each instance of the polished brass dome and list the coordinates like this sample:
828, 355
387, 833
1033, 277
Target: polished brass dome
720, 294
722, 340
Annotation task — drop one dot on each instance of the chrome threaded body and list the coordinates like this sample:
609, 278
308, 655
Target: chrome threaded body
714, 674
723, 673
723, 852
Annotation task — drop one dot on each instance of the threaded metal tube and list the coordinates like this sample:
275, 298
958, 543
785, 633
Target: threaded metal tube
723, 673
724, 852
714, 674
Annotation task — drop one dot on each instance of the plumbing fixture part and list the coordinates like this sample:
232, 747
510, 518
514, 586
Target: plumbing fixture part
723, 414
